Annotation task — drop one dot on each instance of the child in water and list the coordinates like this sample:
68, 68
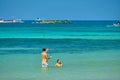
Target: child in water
58, 64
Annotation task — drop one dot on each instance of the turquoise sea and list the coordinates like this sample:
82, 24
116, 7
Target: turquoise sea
89, 50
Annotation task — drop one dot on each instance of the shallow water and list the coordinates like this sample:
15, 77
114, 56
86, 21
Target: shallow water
103, 65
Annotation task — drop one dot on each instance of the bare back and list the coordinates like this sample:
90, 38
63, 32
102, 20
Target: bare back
44, 57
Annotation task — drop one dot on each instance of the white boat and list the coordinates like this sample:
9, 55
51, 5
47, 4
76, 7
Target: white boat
1, 21
11, 21
117, 25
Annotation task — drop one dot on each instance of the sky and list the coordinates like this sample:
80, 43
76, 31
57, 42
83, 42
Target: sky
60, 9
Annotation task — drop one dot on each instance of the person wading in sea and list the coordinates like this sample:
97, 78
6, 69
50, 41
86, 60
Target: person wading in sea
45, 57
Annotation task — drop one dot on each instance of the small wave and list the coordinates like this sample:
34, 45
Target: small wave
73, 35
109, 26
19, 48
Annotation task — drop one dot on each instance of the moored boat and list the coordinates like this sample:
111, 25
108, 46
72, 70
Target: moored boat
11, 21
117, 24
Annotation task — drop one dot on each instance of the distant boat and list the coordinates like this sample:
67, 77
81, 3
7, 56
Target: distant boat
117, 24
11, 21
1, 21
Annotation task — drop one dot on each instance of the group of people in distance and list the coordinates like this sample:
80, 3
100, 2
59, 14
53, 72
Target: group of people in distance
45, 59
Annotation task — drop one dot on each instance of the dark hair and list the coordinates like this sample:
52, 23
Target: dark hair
58, 60
44, 49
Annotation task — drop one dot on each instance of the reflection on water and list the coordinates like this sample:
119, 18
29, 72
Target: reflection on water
44, 69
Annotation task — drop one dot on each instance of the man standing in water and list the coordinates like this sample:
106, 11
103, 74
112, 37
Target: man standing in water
45, 57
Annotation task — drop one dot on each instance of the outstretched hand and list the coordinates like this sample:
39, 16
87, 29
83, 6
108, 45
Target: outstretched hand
50, 57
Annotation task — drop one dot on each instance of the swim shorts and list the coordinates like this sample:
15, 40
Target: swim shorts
44, 64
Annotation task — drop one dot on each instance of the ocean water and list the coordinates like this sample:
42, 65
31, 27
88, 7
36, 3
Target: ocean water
78, 30
89, 50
